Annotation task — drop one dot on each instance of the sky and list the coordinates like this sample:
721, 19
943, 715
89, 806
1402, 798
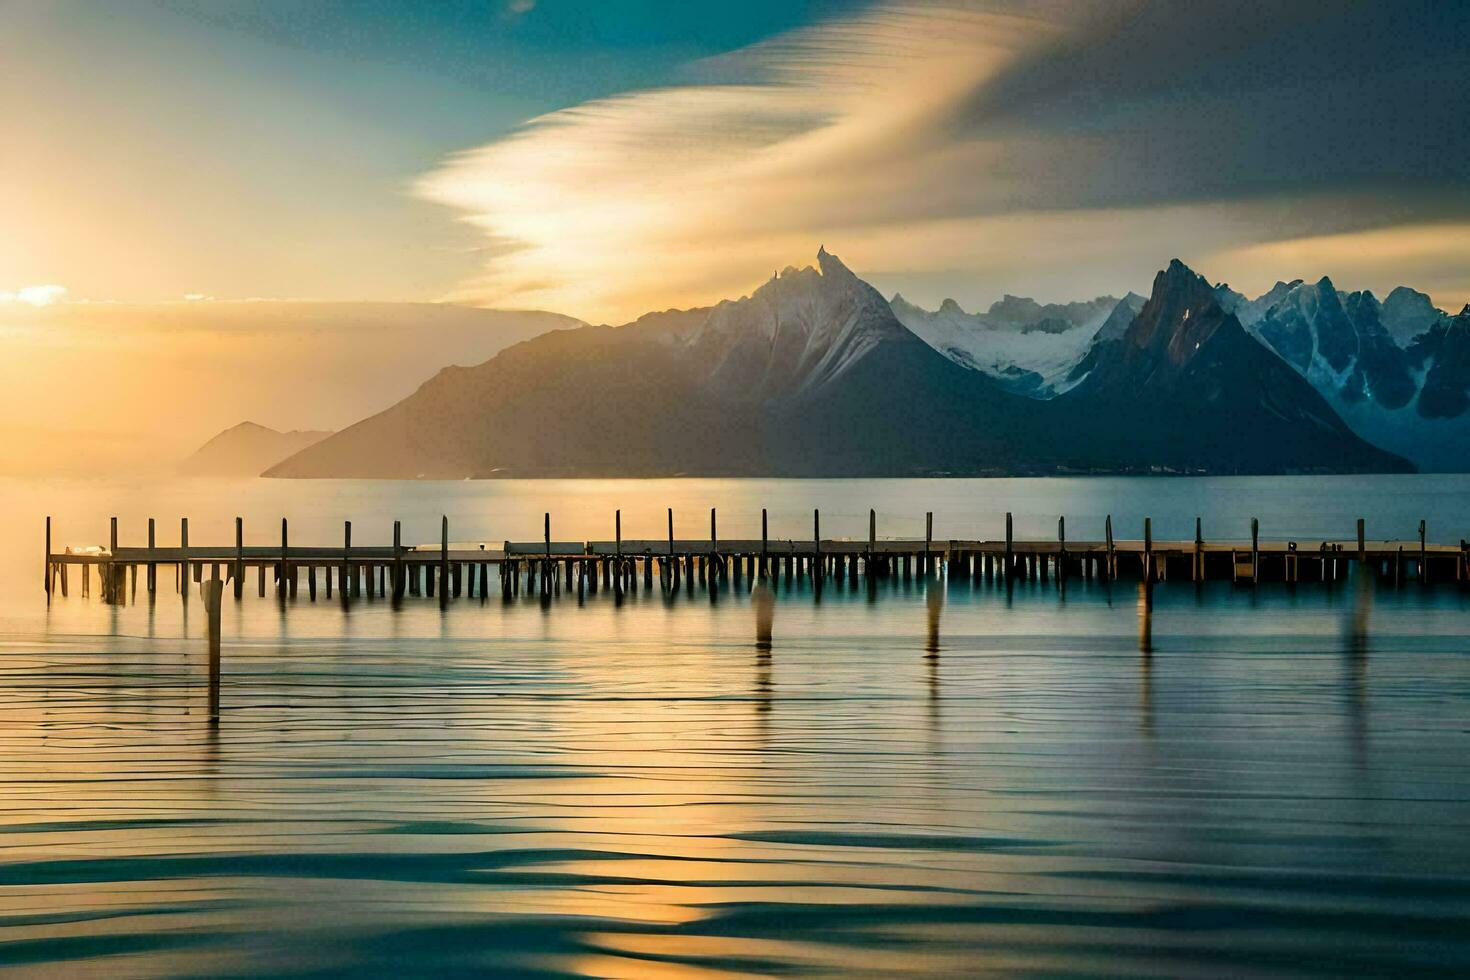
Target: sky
605, 158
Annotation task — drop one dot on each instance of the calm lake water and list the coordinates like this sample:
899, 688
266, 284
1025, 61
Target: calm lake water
636, 790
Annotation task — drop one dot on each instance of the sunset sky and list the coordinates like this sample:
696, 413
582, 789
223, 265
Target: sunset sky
601, 159
605, 159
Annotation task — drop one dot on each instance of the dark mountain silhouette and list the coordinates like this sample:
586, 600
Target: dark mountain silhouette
812, 375
1187, 387
246, 450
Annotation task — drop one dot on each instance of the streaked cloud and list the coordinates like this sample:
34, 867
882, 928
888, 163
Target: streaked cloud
1055, 148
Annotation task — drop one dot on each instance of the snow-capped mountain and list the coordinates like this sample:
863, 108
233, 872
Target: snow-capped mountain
1028, 347
1187, 386
1338, 341
1249, 311
1373, 361
795, 335
813, 375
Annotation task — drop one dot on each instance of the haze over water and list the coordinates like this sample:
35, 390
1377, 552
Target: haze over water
639, 789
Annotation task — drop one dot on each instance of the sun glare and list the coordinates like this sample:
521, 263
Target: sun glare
43, 295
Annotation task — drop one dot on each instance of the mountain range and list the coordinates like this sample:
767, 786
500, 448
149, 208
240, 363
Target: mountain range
816, 374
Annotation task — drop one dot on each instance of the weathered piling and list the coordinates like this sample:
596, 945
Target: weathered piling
183, 566
444, 561
1010, 555
924, 567
1423, 555
1062, 569
1255, 551
817, 569
398, 583
239, 576
1148, 549
872, 545
283, 567
1197, 567
213, 596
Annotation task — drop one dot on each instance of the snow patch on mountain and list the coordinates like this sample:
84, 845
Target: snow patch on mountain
1028, 347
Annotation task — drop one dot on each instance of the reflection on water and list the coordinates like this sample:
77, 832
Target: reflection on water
1188, 784
934, 606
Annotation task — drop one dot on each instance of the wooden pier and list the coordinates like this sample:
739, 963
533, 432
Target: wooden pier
548, 567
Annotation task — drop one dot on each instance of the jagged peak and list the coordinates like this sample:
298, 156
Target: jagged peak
1178, 272
950, 306
831, 265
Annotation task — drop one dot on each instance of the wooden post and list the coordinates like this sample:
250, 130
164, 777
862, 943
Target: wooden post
184, 557
817, 570
344, 574
152, 565
47, 581
927, 567
714, 539
213, 593
617, 565
239, 557
1255, 551
1197, 566
763, 543
1061, 548
1148, 549
1112, 556
1362, 545
285, 563
1423, 556
398, 584
443, 561
548, 574
1010, 547
108, 572
872, 542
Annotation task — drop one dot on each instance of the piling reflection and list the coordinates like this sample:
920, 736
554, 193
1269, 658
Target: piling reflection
1146, 658
763, 603
1356, 674
1145, 617
934, 607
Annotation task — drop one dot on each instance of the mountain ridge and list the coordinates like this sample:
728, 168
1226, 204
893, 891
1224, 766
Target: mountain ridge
813, 374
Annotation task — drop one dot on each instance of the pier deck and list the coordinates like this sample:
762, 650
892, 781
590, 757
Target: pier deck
453, 569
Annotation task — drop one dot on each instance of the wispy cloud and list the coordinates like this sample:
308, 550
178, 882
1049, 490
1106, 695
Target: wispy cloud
1059, 148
